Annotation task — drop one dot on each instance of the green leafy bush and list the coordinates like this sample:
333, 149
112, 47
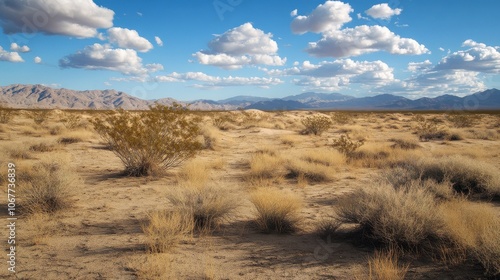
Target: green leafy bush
151, 141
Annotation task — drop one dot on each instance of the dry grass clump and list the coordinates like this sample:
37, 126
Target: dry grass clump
474, 228
341, 118
39, 116
384, 265
316, 124
210, 137
56, 129
19, 152
467, 176
69, 140
164, 230
194, 173
206, 206
153, 267
405, 144
40, 228
42, 147
277, 211
376, 155
405, 217
428, 129
265, 168
462, 120
301, 170
71, 120
6, 114
48, 187
483, 134
290, 140
152, 141
323, 156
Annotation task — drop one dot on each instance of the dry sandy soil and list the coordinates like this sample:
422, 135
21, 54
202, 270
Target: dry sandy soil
100, 236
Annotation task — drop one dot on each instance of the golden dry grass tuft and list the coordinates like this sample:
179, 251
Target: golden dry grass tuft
165, 229
40, 227
195, 173
153, 267
265, 169
277, 211
207, 206
48, 187
384, 265
475, 228
406, 217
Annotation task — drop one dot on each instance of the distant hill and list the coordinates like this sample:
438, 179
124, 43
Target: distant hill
39, 96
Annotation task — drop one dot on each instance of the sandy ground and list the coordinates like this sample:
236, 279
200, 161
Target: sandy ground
101, 237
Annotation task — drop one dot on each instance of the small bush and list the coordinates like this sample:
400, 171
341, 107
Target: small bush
341, 118
277, 211
346, 145
6, 114
71, 120
428, 130
206, 206
316, 124
152, 141
40, 116
405, 217
462, 120
48, 188
165, 229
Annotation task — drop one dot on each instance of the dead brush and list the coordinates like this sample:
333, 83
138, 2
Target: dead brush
461, 120
165, 229
150, 142
6, 114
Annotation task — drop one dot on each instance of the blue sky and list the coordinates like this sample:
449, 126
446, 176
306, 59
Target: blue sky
216, 49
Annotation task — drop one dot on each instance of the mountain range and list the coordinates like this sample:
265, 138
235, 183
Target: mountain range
40, 96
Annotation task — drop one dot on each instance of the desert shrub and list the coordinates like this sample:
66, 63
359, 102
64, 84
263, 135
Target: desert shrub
40, 116
429, 130
164, 230
346, 145
71, 120
210, 137
466, 175
316, 124
341, 118
475, 228
462, 120
48, 187
326, 228
206, 206
221, 122
277, 211
6, 114
152, 141
404, 217
384, 265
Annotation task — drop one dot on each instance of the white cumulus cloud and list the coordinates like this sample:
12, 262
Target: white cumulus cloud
209, 81
478, 58
10, 56
37, 60
328, 16
130, 39
333, 75
56, 17
363, 39
16, 48
243, 45
382, 11
158, 41
294, 13
103, 57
